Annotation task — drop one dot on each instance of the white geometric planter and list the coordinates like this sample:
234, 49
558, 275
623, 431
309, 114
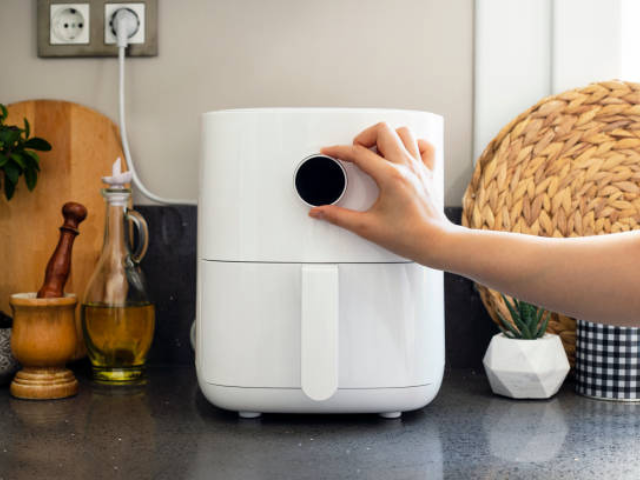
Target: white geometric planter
526, 368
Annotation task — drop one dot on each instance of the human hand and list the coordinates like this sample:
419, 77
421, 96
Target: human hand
405, 217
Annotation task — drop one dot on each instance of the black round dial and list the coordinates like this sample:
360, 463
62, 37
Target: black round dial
320, 180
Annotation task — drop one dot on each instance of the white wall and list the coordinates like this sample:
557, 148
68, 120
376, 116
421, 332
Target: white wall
529, 49
512, 62
239, 53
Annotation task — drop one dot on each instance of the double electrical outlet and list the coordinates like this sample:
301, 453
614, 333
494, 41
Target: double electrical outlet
70, 23
86, 28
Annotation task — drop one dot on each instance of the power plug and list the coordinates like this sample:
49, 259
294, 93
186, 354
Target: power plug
110, 11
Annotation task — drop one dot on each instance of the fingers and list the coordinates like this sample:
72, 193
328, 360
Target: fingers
427, 153
342, 217
366, 160
382, 136
409, 141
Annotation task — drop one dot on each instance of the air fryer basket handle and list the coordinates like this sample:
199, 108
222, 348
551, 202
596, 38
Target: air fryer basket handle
319, 331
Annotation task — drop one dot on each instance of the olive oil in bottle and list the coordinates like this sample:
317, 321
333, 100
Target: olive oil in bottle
118, 339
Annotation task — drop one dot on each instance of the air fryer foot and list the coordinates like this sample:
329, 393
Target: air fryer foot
390, 415
249, 414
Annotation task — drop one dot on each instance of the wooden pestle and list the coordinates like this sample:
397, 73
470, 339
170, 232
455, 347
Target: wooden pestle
59, 264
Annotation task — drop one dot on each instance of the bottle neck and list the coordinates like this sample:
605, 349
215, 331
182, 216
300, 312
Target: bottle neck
117, 201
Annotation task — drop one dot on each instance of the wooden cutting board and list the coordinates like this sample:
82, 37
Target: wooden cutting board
84, 144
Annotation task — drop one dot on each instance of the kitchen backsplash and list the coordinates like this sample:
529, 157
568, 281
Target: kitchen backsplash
170, 266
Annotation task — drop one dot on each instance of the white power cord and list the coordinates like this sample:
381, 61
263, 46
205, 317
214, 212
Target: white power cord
125, 25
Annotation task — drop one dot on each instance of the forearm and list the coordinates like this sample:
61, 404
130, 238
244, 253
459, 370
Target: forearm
592, 278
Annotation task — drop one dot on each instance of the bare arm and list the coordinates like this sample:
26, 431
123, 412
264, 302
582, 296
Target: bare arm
592, 278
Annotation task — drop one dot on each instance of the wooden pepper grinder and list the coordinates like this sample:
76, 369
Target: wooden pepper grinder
44, 333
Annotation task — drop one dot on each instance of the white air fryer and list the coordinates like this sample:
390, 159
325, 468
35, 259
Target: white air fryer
295, 315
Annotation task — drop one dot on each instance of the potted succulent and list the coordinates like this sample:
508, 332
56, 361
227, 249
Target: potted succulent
524, 361
17, 155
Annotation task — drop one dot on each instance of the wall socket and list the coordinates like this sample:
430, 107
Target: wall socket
82, 29
69, 24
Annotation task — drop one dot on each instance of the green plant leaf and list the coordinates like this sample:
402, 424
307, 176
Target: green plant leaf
507, 326
533, 313
12, 173
516, 311
539, 314
503, 330
27, 129
543, 328
9, 187
506, 333
3, 160
9, 135
527, 318
36, 143
33, 159
524, 328
530, 316
3, 112
18, 159
512, 310
31, 178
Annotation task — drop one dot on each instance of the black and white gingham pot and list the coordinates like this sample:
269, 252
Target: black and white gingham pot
608, 361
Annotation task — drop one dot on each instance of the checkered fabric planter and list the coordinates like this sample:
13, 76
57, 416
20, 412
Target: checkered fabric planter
608, 361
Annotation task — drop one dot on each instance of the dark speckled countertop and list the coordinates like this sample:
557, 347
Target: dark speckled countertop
167, 429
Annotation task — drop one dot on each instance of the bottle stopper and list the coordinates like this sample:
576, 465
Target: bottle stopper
118, 178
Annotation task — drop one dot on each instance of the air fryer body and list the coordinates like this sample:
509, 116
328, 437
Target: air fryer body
295, 315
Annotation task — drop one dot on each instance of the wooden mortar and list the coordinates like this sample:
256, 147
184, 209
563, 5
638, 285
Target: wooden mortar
43, 341
44, 332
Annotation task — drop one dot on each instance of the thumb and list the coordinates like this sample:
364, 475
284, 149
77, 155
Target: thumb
342, 217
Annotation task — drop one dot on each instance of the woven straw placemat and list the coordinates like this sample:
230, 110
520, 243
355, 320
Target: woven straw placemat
568, 166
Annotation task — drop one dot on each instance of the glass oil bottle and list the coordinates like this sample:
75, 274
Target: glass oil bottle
118, 319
